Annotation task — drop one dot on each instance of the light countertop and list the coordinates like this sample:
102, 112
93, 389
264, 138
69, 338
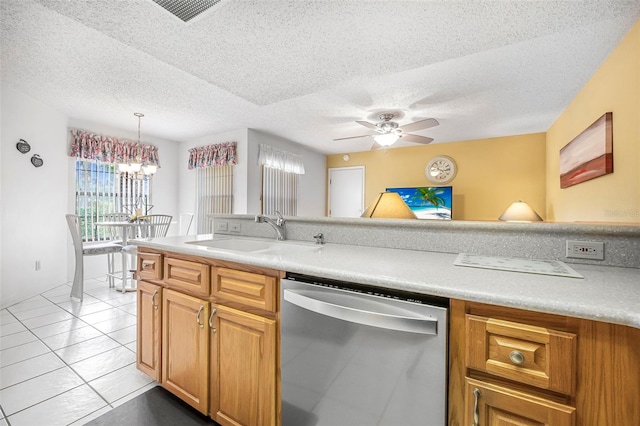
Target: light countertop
609, 294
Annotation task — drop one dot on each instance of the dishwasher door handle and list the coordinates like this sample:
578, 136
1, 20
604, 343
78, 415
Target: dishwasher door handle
312, 301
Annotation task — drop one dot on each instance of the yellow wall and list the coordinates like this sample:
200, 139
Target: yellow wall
492, 173
614, 197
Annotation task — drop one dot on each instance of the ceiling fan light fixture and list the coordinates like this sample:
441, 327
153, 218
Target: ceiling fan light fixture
386, 139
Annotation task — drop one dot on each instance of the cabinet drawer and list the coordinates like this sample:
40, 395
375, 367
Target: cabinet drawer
249, 289
533, 355
149, 266
496, 405
192, 277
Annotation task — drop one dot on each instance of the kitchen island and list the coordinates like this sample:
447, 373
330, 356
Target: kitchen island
610, 294
579, 337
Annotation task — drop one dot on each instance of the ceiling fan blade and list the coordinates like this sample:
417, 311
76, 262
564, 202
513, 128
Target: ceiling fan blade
368, 125
416, 139
419, 125
353, 137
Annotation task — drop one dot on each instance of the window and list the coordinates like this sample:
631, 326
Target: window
100, 190
214, 189
281, 172
279, 192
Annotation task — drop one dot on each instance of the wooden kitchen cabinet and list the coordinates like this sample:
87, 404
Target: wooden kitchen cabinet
243, 368
190, 277
208, 331
533, 355
532, 368
149, 330
529, 355
252, 291
491, 405
149, 266
185, 348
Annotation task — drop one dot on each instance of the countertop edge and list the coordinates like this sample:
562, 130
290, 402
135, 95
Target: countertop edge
416, 283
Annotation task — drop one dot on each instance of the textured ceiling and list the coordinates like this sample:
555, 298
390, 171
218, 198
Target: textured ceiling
306, 70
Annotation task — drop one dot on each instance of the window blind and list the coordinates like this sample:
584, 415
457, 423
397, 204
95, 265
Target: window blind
279, 192
214, 189
281, 172
100, 190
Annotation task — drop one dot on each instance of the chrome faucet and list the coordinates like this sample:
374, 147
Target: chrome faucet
277, 224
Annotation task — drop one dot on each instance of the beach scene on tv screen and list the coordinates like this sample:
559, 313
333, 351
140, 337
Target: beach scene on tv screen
427, 202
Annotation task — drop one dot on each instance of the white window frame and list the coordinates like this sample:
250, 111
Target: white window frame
100, 190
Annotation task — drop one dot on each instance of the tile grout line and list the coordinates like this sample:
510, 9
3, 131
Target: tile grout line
56, 369
85, 382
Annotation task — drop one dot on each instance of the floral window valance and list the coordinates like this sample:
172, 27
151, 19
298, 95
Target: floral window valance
217, 155
108, 149
271, 157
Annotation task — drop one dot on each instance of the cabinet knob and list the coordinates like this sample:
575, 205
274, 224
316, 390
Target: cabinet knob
516, 357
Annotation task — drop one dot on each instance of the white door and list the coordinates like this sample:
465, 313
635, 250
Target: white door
346, 191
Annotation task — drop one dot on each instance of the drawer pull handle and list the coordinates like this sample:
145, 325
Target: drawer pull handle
147, 265
198, 317
516, 357
476, 411
213, 312
153, 300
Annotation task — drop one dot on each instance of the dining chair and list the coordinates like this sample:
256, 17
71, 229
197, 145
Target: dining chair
115, 231
151, 226
154, 225
88, 249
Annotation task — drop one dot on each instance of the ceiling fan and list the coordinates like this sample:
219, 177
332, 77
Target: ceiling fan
388, 131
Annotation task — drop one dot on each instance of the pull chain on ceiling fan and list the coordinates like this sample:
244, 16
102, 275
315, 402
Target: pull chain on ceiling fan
388, 131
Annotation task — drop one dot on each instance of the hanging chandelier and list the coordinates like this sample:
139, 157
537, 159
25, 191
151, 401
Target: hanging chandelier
137, 169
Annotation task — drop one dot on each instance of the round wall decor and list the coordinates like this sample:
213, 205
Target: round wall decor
23, 146
36, 160
441, 169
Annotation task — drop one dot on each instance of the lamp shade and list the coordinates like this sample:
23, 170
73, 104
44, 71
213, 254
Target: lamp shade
389, 205
520, 212
386, 139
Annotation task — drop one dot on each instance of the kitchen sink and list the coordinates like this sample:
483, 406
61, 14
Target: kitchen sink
249, 245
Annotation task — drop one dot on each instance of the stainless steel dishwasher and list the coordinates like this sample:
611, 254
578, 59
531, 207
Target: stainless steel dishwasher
355, 355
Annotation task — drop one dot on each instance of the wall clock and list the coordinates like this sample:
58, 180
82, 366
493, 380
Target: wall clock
441, 169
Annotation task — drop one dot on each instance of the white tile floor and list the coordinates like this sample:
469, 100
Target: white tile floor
63, 362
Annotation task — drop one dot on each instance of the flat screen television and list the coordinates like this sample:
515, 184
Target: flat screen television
428, 202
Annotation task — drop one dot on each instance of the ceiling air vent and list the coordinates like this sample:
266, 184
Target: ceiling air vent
186, 10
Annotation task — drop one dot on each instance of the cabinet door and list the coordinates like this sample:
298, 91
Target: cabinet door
243, 368
185, 348
149, 329
498, 406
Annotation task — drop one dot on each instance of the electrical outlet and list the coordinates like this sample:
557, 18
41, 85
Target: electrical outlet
234, 227
221, 226
585, 250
